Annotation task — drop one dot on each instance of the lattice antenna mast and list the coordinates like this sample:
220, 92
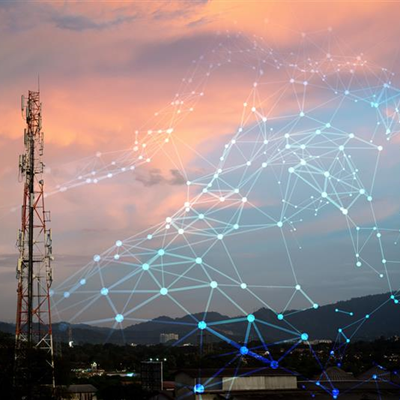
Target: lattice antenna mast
34, 271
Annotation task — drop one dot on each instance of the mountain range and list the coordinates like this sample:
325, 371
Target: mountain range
378, 315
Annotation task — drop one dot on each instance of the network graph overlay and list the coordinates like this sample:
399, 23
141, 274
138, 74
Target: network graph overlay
312, 144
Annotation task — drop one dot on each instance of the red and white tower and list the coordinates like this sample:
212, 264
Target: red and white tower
33, 336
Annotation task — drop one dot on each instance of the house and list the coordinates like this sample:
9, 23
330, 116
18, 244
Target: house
82, 392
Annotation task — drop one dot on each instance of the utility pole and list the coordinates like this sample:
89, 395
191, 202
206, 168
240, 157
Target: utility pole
33, 335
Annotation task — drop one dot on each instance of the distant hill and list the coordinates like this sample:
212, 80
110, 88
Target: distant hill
321, 323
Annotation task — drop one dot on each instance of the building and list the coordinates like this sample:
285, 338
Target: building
167, 337
210, 384
152, 375
82, 392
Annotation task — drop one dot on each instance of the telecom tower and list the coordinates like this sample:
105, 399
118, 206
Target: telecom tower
33, 336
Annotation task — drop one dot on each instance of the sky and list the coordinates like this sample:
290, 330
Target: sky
110, 72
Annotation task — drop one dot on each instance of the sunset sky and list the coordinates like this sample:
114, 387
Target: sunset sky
106, 68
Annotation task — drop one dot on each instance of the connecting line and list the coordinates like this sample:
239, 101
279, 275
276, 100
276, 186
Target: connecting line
295, 170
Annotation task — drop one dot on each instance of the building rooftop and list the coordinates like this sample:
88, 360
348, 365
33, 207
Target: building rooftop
209, 372
87, 388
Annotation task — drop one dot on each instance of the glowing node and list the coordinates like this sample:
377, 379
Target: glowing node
236, 226
304, 336
119, 318
161, 252
168, 219
82, 281
149, 237
202, 325
298, 287
67, 294
145, 267
244, 199
181, 231
198, 388
201, 216
280, 317
251, 318
96, 258
279, 224
220, 236
344, 211
199, 260
213, 284
104, 291
116, 256
274, 364
243, 285
326, 174
244, 350
315, 306
163, 291
301, 114
118, 243
291, 170
324, 194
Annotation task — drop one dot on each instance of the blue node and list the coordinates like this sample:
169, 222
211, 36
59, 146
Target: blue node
198, 388
201, 216
161, 252
335, 393
104, 291
236, 226
118, 243
304, 336
244, 350
149, 237
274, 364
280, 317
82, 281
163, 291
202, 325
119, 318
374, 376
251, 318
145, 267
96, 258
66, 295
199, 260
